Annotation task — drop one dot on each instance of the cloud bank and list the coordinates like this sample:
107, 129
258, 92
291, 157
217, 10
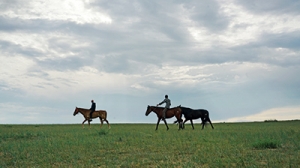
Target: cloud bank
234, 58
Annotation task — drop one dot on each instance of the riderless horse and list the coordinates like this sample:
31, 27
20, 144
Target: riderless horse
102, 114
176, 111
191, 114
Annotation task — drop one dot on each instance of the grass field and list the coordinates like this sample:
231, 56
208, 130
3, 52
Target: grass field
257, 144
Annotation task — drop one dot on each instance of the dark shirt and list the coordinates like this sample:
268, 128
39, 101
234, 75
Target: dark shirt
93, 108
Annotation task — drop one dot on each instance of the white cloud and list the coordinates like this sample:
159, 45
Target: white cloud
40, 82
78, 11
244, 27
45, 44
282, 113
14, 71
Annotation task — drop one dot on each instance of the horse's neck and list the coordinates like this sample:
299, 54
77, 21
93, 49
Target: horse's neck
83, 111
158, 110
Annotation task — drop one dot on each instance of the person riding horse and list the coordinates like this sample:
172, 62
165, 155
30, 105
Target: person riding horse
167, 106
93, 108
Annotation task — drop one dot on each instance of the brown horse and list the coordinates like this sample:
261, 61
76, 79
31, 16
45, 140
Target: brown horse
102, 114
176, 111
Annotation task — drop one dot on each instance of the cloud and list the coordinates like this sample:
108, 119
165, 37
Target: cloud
276, 7
226, 56
282, 113
76, 11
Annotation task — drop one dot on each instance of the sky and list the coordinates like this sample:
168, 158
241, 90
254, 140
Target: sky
238, 59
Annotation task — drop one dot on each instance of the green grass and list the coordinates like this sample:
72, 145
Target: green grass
257, 144
266, 144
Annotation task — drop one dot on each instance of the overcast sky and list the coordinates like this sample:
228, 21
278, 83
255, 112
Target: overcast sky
238, 59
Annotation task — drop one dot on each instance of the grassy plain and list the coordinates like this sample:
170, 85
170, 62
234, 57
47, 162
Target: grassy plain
257, 144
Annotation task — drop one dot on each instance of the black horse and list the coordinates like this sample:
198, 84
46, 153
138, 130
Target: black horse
191, 114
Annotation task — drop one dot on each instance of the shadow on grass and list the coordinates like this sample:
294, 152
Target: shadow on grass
103, 132
266, 144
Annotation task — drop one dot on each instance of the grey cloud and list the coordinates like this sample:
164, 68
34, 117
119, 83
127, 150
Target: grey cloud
206, 13
152, 17
10, 4
144, 38
271, 6
33, 25
8, 24
8, 47
11, 95
60, 64
284, 40
264, 50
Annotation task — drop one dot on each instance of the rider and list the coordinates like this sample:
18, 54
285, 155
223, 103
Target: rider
93, 108
167, 106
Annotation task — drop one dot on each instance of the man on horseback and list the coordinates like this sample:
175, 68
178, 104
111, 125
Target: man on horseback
167, 106
93, 108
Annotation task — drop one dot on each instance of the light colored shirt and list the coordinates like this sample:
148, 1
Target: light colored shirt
167, 101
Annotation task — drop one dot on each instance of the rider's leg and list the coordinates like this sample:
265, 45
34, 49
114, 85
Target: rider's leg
164, 114
91, 113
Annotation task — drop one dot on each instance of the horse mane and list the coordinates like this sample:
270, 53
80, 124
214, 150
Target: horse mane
164, 107
82, 108
89, 109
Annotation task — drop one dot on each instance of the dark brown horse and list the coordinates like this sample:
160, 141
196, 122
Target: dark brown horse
102, 114
176, 111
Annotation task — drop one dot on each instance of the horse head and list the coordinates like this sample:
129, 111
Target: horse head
76, 111
149, 109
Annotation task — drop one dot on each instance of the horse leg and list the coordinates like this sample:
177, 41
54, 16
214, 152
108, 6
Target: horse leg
210, 123
180, 120
101, 122
184, 123
192, 123
83, 123
203, 122
89, 123
107, 123
157, 123
166, 124
180, 124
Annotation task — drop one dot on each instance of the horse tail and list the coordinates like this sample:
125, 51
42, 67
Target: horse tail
105, 115
208, 116
207, 119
